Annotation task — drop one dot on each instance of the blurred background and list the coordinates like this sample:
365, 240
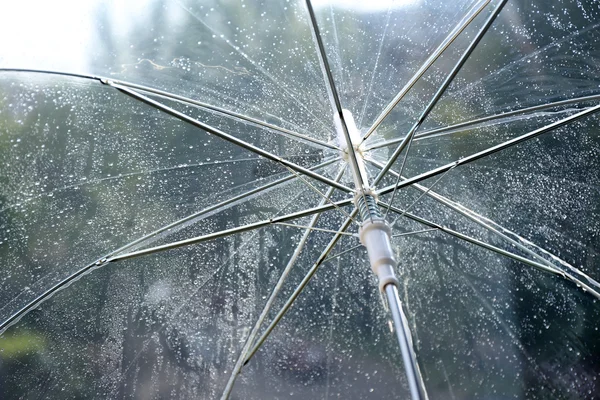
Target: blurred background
85, 169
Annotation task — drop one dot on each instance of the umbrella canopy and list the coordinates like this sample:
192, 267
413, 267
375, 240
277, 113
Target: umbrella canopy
173, 172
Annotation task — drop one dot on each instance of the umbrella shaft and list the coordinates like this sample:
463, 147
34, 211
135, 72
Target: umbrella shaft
375, 235
402, 329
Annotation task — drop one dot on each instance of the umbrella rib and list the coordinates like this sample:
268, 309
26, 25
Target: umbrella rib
218, 206
337, 105
426, 191
184, 100
230, 138
185, 303
100, 262
455, 128
542, 267
322, 258
256, 65
267, 307
317, 229
255, 121
469, 17
341, 253
479, 220
490, 150
325, 197
228, 232
440, 92
414, 232
408, 139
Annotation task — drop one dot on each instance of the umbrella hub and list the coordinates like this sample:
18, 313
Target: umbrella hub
349, 142
354, 134
357, 150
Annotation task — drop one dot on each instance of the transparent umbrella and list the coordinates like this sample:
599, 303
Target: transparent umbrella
290, 199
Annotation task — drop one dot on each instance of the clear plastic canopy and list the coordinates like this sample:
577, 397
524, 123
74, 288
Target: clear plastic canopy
499, 256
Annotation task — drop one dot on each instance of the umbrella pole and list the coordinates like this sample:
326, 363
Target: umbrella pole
402, 329
375, 235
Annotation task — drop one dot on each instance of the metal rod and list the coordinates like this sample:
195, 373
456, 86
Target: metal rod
438, 95
184, 100
49, 72
103, 260
402, 329
231, 231
464, 211
313, 188
470, 16
407, 142
232, 139
341, 253
472, 216
427, 190
456, 128
414, 232
265, 311
491, 150
187, 300
479, 220
300, 288
217, 206
359, 182
324, 63
255, 121
542, 267
316, 229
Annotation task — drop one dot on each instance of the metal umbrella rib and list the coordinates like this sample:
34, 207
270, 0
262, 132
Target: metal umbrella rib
408, 139
102, 261
231, 231
228, 137
460, 127
215, 272
312, 271
406, 142
469, 17
479, 220
489, 151
183, 100
267, 307
337, 105
542, 267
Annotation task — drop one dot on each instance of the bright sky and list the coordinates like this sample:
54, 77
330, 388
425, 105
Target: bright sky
35, 35
364, 5
23, 46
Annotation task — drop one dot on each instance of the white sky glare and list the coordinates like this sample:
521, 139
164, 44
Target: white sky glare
61, 35
32, 34
364, 5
